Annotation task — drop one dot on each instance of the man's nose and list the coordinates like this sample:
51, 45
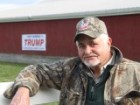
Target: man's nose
88, 50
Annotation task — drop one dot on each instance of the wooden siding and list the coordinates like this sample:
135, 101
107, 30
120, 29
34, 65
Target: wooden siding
124, 31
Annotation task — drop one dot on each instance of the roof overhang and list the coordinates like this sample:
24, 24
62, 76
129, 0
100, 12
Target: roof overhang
63, 9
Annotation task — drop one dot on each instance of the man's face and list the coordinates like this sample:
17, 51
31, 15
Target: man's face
94, 52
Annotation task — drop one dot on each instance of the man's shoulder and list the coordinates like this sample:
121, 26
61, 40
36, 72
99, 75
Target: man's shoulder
130, 64
72, 61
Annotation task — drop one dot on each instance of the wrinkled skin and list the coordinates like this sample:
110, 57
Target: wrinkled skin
21, 97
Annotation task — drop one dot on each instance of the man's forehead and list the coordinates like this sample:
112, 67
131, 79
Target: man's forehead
84, 37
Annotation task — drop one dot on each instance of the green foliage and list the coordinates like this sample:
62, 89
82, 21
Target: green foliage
9, 71
53, 103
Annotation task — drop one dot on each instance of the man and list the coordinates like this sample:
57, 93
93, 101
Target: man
99, 76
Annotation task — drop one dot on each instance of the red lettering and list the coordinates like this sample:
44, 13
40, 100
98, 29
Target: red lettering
42, 41
26, 41
37, 42
29, 42
34, 42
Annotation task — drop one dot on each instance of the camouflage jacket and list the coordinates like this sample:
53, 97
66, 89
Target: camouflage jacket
121, 88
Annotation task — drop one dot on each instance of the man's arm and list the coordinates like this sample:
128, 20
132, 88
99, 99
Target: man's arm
34, 76
21, 97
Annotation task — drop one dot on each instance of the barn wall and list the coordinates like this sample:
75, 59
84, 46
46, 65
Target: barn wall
59, 36
124, 31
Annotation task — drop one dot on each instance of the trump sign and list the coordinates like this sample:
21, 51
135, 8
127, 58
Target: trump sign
34, 42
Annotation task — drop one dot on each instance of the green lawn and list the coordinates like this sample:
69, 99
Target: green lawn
8, 72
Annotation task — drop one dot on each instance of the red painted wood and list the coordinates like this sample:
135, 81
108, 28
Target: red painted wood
59, 33
124, 31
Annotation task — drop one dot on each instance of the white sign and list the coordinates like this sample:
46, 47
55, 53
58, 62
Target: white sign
34, 42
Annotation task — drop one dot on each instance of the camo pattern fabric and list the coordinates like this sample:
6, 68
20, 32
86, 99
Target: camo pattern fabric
69, 77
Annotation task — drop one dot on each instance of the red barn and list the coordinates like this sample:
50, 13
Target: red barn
57, 21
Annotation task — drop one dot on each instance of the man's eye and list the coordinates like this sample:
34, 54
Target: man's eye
81, 46
92, 44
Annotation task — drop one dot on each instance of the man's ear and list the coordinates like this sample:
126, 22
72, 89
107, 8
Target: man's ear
109, 41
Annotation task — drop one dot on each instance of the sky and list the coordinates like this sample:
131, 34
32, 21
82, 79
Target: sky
8, 4
17, 1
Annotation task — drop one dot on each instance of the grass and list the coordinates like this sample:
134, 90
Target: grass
9, 71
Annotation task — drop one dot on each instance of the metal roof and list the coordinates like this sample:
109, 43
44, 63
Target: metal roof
62, 9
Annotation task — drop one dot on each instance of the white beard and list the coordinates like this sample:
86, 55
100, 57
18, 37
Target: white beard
91, 63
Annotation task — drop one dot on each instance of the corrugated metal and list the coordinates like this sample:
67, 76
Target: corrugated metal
123, 29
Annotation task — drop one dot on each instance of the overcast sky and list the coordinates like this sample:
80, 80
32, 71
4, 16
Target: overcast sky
8, 4
17, 1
